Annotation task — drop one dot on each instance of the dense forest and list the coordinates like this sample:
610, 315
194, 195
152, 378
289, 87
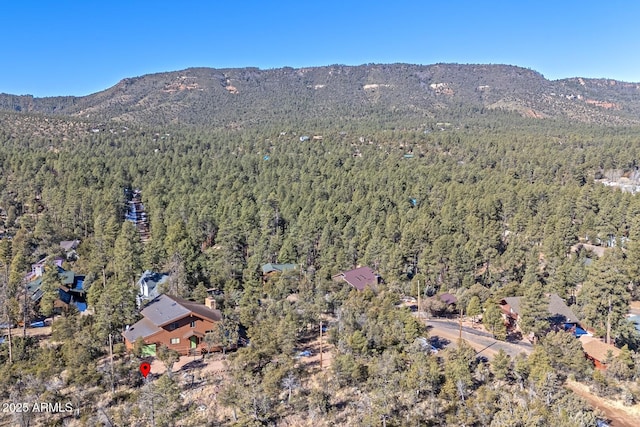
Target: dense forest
484, 205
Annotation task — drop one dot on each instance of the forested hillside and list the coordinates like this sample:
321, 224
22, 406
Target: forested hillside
338, 95
454, 190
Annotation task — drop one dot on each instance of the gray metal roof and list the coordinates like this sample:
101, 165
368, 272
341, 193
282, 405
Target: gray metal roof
162, 310
514, 303
165, 309
142, 328
557, 308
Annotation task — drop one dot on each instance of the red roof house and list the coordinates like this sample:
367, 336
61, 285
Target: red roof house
360, 278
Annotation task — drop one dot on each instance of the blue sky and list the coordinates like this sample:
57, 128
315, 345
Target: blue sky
81, 47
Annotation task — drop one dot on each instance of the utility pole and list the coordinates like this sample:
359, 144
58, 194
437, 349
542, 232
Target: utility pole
460, 324
111, 356
320, 344
10, 344
24, 313
419, 315
609, 322
5, 298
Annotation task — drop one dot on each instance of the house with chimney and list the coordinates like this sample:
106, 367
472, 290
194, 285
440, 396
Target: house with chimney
174, 322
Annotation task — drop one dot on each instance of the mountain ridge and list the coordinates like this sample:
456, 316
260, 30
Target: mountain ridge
231, 97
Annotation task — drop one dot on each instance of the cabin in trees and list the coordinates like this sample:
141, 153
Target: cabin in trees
149, 285
598, 352
69, 247
360, 278
448, 299
271, 269
174, 322
443, 304
560, 315
71, 286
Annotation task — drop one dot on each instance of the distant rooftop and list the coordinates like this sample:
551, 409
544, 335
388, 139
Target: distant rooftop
277, 268
359, 278
557, 308
597, 349
68, 245
448, 298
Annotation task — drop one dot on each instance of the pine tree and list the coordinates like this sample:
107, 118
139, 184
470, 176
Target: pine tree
227, 333
501, 365
474, 308
115, 307
604, 297
50, 287
168, 357
492, 320
534, 313
127, 253
161, 401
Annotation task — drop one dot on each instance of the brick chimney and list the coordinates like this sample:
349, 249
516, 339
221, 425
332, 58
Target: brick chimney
210, 302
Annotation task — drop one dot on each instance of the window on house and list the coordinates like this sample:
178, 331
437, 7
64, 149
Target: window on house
175, 340
173, 326
193, 324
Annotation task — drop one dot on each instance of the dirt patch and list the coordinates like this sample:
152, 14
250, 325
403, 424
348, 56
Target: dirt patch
208, 366
620, 415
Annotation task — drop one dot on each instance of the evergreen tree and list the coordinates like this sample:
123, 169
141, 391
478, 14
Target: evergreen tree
474, 308
501, 365
492, 320
534, 313
604, 297
168, 357
161, 401
50, 288
127, 253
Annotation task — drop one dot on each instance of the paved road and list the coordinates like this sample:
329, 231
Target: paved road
480, 340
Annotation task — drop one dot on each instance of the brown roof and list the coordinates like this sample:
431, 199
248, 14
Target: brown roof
448, 298
597, 349
359, 278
